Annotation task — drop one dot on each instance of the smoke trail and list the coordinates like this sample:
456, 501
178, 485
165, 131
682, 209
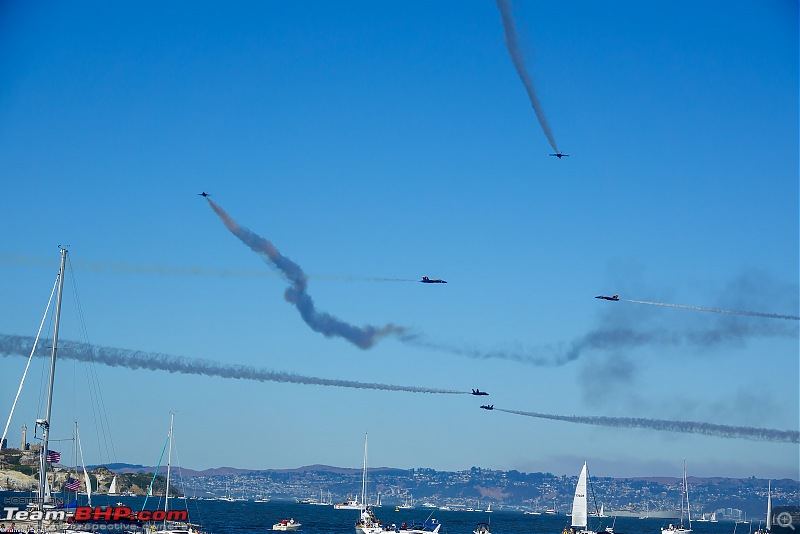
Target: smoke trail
510, 37
324, 323
663, 425
97, 266
715, 310
133, 359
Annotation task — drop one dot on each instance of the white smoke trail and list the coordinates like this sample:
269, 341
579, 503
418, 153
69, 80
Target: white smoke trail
716, 310
98, 266
510, 37
154, 361
663, 425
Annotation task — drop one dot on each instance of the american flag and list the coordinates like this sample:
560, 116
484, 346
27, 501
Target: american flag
73, 484
53, 457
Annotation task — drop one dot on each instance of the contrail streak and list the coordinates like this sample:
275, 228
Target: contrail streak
510, 37
324, 323
98, 266
716, 310
688, 427
154, 361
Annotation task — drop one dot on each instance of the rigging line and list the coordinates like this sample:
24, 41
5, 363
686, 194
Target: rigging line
101, 414
27, 365
150, 489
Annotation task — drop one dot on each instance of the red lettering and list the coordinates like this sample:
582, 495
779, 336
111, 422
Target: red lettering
144, 515
83, 513
159, 515
122, 512
103, 513
178, 515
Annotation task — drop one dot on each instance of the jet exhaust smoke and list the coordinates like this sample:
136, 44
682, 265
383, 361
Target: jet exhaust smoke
133, 359
715, 310
662, 425
324, 323
98, 266
510, 37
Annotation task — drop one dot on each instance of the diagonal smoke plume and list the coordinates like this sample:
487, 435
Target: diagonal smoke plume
716, 310
324, 323
510, 37
688, 427
134, 359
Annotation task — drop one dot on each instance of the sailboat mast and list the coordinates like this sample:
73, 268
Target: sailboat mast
46, 423
169, 461
364, 475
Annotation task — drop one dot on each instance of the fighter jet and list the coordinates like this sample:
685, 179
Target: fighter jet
488, 407
559, 155
615, 297
426, 280
478, 392
203, 194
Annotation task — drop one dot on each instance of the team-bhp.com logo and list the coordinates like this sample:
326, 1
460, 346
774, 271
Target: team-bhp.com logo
101, 513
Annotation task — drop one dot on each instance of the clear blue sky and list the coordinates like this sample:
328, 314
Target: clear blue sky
394, 139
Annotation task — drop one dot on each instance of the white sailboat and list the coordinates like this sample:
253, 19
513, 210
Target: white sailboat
367, 523
672, 529
768, 526
580, 516
112, 489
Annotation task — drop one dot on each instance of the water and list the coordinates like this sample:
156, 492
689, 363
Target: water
221, 517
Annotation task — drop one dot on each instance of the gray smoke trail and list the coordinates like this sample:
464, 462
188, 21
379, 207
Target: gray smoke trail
663, 425
97, 266
716, 310
324, 323
510, 37
133, 359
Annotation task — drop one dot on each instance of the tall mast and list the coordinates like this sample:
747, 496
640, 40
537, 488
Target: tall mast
364, 475
45, 424
169, 461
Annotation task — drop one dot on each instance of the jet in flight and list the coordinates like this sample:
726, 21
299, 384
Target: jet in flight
488, 407
615, 297
478, 392
426, 280
204, 194
559, 155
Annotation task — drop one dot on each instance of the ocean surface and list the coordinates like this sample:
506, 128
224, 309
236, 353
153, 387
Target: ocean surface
221, 517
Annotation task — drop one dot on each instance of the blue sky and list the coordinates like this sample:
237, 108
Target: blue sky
395, 140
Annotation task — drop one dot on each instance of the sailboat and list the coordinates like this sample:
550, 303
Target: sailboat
768, 526
579, 505
112, 489
172, 527
672, 529
367, 523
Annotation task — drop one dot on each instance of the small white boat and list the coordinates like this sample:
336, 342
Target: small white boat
351, 504
286, 524
681, 529
579, 514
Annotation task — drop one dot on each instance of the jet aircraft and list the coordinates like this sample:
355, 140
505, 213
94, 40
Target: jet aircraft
559, 155
204, 194
488, 407
615, 297
478, 392
426, 280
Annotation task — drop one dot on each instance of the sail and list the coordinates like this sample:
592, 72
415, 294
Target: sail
88, 482
769, 506
579, 502
112, 490
47, 496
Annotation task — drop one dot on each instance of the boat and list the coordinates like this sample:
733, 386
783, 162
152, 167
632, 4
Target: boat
367, 523
702, 519
286, 524
408, 504
429, 526
428, 505
768, 525
714, 517
531, 512
170, 527
488, 508
112, 489
351, 504
579, 505
481, 528
681, 529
